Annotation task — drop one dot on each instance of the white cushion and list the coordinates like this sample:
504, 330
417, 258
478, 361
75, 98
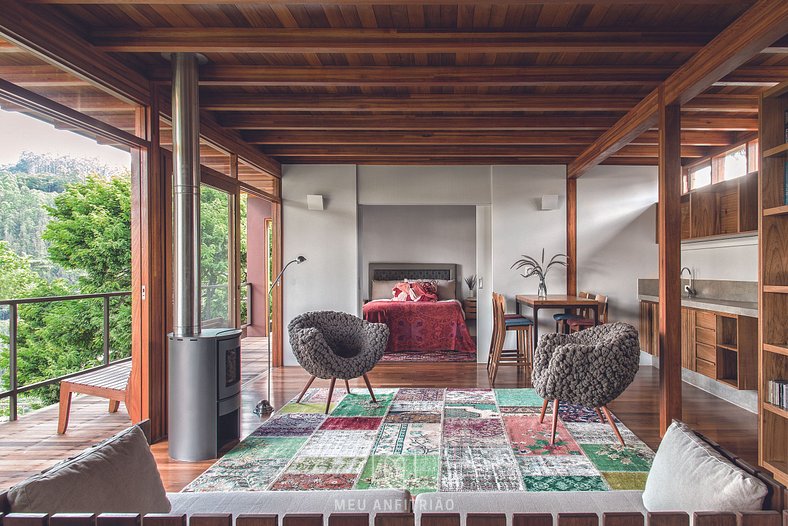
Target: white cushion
689, 475
447, 289
383, 289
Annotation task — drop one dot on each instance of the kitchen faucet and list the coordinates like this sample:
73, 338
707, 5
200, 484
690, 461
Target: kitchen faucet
689, 288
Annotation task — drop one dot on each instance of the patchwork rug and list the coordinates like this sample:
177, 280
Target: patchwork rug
425, 440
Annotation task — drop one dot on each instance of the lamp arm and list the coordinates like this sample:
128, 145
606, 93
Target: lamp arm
278, 277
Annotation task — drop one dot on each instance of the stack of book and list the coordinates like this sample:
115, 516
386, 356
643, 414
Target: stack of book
777, 393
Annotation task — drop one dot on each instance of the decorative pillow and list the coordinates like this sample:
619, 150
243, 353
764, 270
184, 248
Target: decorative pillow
381, 289
689, 475
401, 291
424, 291
447, 289
118, 475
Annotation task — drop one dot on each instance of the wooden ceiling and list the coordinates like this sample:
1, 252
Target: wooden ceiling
361, 81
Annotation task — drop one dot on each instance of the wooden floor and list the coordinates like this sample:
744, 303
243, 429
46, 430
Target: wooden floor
31, 444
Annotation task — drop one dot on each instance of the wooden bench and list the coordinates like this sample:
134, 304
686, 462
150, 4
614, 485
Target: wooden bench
109, 382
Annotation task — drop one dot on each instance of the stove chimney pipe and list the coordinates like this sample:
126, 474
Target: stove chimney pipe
186, 188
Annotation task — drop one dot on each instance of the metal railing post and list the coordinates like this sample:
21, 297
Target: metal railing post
12, 364
106, 330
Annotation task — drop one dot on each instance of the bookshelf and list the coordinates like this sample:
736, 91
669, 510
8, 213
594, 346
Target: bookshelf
773, 278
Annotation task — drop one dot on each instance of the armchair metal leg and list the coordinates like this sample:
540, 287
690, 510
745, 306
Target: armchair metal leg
306, 387
544, 410
599, 414
347, 386
555, 421
369, 388
613, 424
330, 394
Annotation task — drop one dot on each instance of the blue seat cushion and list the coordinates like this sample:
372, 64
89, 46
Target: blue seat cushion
565, 316
518, 322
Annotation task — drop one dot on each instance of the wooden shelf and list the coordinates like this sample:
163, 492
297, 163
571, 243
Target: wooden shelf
777, 349
776, 410
776, 151
778, 469
729, 381
776, 289
776, 211
728, 347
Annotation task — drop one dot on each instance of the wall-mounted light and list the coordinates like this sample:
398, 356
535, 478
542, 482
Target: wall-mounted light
314, 202
549, 202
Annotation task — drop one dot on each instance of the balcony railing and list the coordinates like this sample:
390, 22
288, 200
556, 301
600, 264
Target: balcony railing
13, 306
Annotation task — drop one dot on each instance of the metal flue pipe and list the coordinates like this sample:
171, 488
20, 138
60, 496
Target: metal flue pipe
186, 190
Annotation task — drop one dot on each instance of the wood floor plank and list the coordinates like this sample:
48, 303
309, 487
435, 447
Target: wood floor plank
32, 444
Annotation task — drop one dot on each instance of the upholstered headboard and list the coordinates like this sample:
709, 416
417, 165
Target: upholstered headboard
413, 271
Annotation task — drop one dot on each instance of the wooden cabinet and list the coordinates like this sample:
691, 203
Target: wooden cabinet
773, 278
724, 208
469, 306
720, 346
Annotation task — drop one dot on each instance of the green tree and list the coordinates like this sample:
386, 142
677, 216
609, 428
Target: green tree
90, 231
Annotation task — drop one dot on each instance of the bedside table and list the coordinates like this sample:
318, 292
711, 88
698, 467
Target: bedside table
469, 306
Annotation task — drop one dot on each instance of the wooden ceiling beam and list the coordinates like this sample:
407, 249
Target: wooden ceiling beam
40, 76
246, 102
521, 138
364, 151
48, 39
301, 121
760, 26
310, 40
217, 75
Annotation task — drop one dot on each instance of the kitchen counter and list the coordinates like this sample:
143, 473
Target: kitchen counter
741, 308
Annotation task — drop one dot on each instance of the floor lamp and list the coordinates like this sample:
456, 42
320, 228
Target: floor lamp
264, 407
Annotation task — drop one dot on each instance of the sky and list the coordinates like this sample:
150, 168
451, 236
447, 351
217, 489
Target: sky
20, 133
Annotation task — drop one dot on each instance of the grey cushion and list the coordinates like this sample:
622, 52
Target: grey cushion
336, 344
447, 289
590, 367
118, 475
383, 290
511, 502
688, 475
293, 502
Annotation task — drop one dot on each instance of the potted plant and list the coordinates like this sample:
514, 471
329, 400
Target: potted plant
539, 269
471, 282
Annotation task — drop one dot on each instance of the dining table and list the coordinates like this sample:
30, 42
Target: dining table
554, 302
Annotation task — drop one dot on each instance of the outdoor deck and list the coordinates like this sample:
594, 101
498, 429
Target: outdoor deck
31, 444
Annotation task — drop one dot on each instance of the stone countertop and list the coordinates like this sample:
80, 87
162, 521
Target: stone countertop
742, 308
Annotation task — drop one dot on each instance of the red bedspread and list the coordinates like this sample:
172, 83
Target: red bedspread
422, 326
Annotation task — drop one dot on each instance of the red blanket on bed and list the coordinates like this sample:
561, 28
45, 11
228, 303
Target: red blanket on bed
422, 326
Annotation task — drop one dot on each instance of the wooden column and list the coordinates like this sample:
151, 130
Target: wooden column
151, 299
277, 330
669, 226
235, 248
571, 236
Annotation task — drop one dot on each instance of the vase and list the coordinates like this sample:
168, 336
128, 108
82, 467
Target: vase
542, 289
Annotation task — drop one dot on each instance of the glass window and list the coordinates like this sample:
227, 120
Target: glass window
215, 256
735, 163
700, 176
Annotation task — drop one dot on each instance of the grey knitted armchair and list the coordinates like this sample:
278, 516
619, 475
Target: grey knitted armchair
337, 345
591, 368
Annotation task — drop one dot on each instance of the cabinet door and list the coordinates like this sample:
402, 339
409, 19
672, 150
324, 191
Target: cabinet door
688, 338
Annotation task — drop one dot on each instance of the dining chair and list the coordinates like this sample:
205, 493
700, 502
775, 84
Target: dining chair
502, 323
563, 317
578, 324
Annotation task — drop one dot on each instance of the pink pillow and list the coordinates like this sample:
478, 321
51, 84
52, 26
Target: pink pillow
415, 291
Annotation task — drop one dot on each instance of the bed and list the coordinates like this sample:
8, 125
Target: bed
419, 326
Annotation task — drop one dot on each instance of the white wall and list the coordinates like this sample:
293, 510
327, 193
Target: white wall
328, 280
733, 259
616, 225
424, 185
417, 234
519, 227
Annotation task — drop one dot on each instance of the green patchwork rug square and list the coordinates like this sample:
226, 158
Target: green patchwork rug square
426, 440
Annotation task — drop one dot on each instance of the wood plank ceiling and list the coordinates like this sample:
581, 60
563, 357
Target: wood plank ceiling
503, 82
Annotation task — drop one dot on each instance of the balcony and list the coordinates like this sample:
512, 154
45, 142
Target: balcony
29, 441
